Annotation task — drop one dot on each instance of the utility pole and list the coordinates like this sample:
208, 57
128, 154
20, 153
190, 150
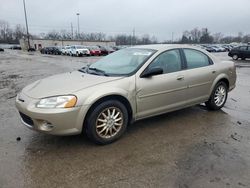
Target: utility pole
72, 32
134, 36
78, 14
28, 37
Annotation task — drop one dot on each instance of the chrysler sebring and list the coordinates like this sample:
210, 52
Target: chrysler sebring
101, 99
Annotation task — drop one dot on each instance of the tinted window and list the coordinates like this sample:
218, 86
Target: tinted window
195, 59
248, 48
169, 61
243, 48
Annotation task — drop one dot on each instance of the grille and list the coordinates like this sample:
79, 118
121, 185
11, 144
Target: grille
26, 119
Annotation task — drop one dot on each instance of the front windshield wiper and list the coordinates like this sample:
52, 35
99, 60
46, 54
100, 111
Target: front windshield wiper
83, 70
96, 70
92, 70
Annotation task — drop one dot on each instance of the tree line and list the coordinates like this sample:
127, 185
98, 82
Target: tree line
195, 36
11, 35
203, 36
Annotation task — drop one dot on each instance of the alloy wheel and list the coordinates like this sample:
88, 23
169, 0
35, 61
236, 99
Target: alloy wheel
109, 122
220, 95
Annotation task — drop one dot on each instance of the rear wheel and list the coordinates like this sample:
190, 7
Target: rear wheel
107, 122
235, 57
218, 97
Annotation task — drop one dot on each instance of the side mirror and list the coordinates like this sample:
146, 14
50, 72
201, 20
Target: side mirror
152, 72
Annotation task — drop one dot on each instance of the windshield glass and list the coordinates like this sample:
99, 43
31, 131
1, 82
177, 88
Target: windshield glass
123, 62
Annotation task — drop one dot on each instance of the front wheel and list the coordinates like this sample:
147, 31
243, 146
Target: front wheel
235, 57
107, 122
218, 97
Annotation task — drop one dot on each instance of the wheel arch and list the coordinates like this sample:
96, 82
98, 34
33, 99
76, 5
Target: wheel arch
221, 78
117, 97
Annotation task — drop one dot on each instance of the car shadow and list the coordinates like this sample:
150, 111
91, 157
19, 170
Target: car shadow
38, 142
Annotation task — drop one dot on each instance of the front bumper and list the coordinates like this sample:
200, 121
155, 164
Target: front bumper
61, 121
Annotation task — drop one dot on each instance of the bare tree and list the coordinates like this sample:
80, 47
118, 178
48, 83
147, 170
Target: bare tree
4, 30
217, 37
195, 35
19, 32
53, 35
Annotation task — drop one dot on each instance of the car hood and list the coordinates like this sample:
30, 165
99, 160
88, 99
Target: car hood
63, 84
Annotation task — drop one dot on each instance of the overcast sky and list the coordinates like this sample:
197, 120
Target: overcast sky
155, 17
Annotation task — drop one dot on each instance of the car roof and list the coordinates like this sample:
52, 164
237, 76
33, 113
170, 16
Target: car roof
161, 47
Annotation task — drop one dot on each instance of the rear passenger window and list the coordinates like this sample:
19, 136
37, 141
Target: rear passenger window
195, 59
243, 48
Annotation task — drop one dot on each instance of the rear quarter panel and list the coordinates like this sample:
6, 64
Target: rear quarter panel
225, 70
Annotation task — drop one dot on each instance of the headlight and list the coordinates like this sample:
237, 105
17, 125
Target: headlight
57, 102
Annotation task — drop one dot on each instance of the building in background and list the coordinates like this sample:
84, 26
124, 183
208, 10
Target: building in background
38, 44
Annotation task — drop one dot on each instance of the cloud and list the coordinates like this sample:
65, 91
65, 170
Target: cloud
155, 17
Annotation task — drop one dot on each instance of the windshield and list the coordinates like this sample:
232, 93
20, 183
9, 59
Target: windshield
123, 62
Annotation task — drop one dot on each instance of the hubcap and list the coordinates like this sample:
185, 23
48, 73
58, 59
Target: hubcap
109, 122
235, 57
220, 95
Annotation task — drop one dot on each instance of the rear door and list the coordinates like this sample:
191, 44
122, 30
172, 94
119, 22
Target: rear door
248, 52
200, 75
243, 52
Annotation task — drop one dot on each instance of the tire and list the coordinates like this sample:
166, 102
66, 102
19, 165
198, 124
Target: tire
235, 57
218, 97
105, 130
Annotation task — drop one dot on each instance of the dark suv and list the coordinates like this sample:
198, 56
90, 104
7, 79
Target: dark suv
242, 52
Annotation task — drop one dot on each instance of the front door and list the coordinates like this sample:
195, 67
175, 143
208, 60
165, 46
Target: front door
164, 92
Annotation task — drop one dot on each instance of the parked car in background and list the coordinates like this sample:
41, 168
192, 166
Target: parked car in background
116, 48
56, 50
227, 47
31, 49
1, 50
15, 47
78, 50
105, 50
242, 52
216, 48
210, 49
43, 50
94, 50
128, 85
51, 50
66, 50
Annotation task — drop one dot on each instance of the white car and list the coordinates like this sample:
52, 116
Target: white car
78, 50
66, 50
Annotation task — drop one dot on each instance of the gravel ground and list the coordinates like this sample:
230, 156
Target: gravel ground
187, 148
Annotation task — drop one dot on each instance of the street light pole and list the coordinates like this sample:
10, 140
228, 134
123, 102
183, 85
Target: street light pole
26, 24
78, 24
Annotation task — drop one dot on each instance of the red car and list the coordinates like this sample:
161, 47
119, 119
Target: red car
94, 51
105, 50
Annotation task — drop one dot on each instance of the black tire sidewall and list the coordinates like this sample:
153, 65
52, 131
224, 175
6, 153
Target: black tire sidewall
211, 103
91, 122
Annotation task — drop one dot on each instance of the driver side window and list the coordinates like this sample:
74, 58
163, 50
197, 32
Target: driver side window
169, 61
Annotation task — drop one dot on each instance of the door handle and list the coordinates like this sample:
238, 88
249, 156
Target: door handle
180, 77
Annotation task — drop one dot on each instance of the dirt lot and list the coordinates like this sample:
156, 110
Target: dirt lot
188, 148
